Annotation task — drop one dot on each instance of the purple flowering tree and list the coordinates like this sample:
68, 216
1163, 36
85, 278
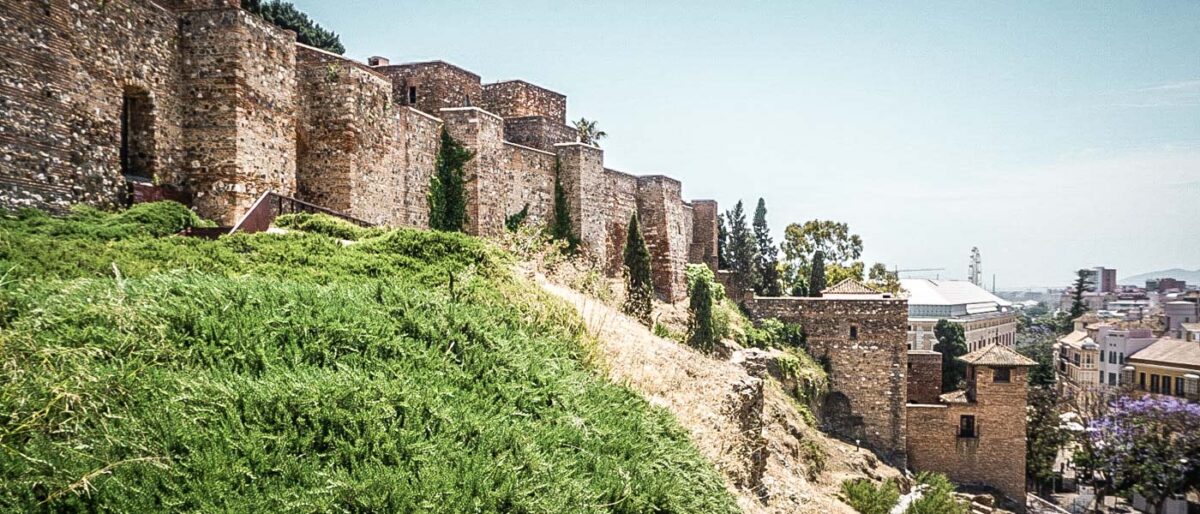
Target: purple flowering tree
1149, 446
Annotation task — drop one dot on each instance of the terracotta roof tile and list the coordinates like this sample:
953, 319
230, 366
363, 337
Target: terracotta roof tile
996, 355
1168, 350
848, 286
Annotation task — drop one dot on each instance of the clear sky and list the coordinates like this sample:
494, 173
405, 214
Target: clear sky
1053, 136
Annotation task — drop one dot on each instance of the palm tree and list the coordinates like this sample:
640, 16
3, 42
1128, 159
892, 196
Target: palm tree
588, 133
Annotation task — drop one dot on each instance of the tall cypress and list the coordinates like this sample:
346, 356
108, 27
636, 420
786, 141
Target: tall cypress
767, 262
639, 285
562, 229
743, 249
816, 279
447, 192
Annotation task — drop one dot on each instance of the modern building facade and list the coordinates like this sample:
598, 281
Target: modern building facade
986, 318
1169, 367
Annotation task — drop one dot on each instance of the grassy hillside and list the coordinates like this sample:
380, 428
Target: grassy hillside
267, 373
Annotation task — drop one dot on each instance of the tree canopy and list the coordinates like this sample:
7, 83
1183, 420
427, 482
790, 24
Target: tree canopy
447, 194
741, 249
767, 263
285, 15
952, 343
639, 286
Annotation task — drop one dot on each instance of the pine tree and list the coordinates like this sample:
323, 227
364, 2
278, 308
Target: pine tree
702, 330
816, 278
285, 15
1083, 284
743, 249
562, 229
639, 286
722, 243
447, 194
767, 263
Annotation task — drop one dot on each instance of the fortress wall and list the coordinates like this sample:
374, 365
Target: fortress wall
865, 342
517, 98
483, 133
661, 213
239, 92
703, 248
419, 136
582, 172
621, 202
64, 66
350, 155
537, 132
434, 85
529, 177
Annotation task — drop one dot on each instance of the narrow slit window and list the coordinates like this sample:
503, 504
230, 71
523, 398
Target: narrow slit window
412, 94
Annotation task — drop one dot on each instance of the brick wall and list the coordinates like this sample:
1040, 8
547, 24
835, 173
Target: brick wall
667, 233
517, 98
996, 457
867, 371
704, 233
483, 133
621, 201
924, 376
582, 168
420, 134
350, 151
64, 67
240, 107
537, 132
528, 180
436, 85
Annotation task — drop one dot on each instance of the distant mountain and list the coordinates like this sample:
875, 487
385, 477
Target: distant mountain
1191, 277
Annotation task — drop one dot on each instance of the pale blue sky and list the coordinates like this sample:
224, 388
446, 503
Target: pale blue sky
1053, 136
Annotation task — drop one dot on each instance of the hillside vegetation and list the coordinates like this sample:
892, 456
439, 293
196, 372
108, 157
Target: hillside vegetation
408, 371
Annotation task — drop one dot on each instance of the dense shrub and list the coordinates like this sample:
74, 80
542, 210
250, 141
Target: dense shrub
937, 496
867, 498
281, 373
327, 225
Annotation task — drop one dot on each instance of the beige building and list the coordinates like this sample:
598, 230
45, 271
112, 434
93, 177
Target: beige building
1169, 367
986, 318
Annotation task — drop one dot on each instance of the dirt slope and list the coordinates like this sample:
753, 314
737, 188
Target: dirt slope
738, 417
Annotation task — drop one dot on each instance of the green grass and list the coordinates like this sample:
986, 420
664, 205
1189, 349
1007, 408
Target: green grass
141, 372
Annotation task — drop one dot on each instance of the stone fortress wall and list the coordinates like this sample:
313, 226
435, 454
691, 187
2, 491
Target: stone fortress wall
214, 106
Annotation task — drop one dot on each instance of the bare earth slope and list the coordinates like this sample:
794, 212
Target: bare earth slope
745, 424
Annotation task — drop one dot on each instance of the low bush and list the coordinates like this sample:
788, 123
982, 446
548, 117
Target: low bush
868, 498
327, 225
272, 373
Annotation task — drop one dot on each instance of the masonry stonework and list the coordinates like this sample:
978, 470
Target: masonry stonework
924, 376
864, 342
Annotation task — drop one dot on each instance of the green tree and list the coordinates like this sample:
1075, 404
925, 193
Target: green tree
1083, 284
1044, 435
767, 262
816, 278
702, 327
587, 132
883, 280
837, 245
447, 195
743, 249
722, 242
639, 285
952, 343
285, 15
562, 229
1042, 352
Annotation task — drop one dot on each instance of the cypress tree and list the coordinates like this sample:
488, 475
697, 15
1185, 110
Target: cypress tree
639, 286
767, 262
816, 278
447, 194
702, 330
743, 249
562, 229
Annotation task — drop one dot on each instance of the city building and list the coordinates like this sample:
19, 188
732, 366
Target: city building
1166, 285
1104, 280
1077, 361
1168, 367
1183, 309
1116, 341
985, 318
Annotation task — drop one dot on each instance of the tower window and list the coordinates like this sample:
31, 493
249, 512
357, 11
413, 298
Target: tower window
412, 94
1002, 375
853, 332
966, 426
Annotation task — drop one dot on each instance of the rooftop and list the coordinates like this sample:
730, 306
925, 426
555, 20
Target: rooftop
848, 286
923, 291
1168, 350
996, 355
